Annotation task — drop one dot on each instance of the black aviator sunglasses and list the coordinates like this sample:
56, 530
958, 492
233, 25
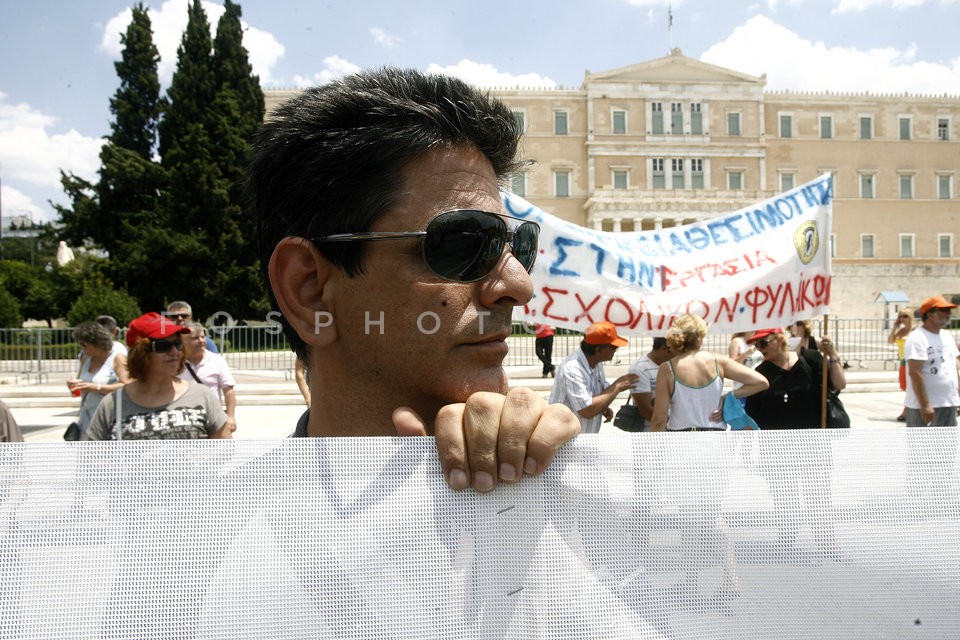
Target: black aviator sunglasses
463, 245
163, 346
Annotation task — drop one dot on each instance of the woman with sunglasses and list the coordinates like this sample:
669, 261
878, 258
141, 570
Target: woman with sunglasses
156, 405
793, 399
898, 336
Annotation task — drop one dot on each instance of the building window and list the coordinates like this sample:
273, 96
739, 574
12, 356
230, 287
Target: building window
866, 245
518, 184
696, 119
866, 186
943, 128
561, 184
735, 180
945, 245
786, 126
905, 122
659, 176
944, 187
906, 187
906, 245
620, 179
696, 173
786, 181
866, 127
826, 127
733, 124
619, 118
676, 118
520, 119
560, 123
656, 118
676, 167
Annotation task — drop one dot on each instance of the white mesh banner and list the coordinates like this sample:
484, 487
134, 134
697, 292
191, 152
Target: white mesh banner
769, 535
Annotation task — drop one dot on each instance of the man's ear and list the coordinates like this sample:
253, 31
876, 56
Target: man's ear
299, 276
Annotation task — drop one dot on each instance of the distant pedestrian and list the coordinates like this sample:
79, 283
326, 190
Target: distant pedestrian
543, 343
898, 335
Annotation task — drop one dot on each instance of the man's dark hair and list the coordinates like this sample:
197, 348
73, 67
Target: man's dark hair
107, 322
588, 349
330, 160
659, 342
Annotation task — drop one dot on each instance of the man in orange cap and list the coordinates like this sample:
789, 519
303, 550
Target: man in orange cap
931, 354
581, 383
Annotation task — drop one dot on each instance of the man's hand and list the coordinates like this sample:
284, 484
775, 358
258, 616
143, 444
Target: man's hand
625, 381
607, 414
494, 437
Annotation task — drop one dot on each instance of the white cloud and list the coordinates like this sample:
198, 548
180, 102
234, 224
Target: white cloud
333, 67
791, 62
170, 21
32, 154
486, 75
862, 5
384, 39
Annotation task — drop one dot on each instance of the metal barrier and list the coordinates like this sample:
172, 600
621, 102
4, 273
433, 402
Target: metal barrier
34, 354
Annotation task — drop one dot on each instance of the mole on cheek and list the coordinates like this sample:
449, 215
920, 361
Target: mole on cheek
443, 303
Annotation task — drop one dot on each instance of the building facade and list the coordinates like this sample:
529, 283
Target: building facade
675, 140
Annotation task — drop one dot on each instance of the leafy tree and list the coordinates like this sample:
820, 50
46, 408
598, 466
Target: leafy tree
10, 315
99, 299
137, 104
192, 87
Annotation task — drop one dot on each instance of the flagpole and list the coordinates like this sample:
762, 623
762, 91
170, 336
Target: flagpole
824, 375
670, 24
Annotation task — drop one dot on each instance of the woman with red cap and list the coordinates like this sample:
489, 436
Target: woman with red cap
157, 405
793, 399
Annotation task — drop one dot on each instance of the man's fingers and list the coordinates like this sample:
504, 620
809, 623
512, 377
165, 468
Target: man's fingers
556, 427
408, 423
521, 413
451, 446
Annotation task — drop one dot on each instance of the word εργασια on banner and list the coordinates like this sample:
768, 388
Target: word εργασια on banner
765, 265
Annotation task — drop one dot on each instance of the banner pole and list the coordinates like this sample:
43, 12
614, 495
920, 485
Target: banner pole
824, 381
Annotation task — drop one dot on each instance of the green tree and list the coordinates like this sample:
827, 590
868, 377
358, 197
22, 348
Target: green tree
10, 315
99, 298
192, 88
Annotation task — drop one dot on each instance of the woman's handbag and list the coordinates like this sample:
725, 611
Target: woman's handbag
628, 418
72, 434
837, 417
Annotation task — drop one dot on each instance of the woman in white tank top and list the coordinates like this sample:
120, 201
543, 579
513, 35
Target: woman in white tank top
690, 384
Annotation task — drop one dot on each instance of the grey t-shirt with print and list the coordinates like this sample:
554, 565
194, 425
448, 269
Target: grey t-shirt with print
197, 413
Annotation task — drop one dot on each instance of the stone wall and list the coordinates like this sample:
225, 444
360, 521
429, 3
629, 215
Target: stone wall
856, 285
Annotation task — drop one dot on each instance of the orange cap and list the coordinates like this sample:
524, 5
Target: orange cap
603, 333
936, 302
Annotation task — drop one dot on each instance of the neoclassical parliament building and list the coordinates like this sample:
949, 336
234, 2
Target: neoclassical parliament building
675, 140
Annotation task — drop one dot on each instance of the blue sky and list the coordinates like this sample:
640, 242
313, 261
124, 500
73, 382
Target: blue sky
57, 74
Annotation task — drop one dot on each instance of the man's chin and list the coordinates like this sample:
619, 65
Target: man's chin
490, 379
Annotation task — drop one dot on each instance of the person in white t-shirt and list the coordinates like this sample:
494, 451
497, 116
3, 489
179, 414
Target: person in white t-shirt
931, 354
646, 368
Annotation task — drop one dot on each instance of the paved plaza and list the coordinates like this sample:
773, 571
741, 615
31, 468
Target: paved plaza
269, 404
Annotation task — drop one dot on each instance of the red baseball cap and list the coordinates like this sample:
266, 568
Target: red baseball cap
154, 326
603, 333
763, 333
936, 302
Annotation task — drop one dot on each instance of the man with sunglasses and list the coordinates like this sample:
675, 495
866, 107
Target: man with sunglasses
387, 251
581, 383
181, 313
